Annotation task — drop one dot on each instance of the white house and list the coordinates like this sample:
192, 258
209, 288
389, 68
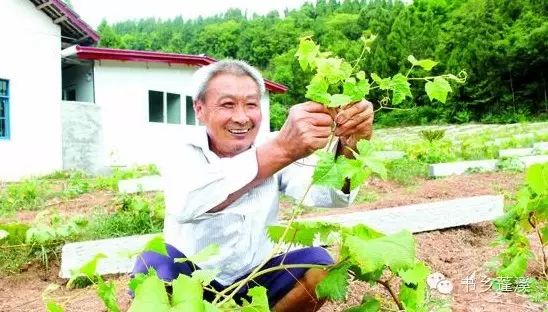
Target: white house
65, 104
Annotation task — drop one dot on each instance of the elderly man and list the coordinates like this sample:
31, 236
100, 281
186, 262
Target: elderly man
222, 186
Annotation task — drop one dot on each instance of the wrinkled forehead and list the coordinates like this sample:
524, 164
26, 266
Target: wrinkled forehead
232, 85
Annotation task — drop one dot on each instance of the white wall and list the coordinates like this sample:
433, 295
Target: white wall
121, 89
30, 60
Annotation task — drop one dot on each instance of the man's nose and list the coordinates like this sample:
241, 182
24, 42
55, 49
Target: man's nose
240, 115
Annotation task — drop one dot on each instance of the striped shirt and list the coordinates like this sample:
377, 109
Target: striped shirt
196, 180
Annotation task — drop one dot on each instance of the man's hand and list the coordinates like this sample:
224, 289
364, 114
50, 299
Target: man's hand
354, 122
306, 130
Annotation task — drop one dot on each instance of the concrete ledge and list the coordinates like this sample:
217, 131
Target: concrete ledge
516, 152
460, 167
424, 217
541, 146
531, 160
389, 155
118, 251
144, 184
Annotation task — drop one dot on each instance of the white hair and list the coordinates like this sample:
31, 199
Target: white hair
203, 76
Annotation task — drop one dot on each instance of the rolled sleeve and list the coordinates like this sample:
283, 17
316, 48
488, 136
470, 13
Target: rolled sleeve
198, 187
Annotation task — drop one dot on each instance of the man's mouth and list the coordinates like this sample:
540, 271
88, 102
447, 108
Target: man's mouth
239, 131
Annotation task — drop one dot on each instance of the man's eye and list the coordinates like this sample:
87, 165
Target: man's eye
227, 105
252, 104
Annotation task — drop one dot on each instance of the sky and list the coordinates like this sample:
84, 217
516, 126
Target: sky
93, 11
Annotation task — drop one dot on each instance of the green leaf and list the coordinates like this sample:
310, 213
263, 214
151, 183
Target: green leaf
438, 89
401, 89
205, 276
89, 268
415, 275
151, 295
516, 267
204, 254
52, 306
187, 294
302, 233
107, 293
337, 100
364, 147
353, 170
307, 53
363, 231
369, 304
327, 172
537, 178
331, 69
335, 285
360, 75
259, 300
157, 244
356, 91
427, 64
138, 279
396, 251
412, 60
413, 297
3, 234
317, 90
383, 83
209, 307
369, 160
544, 234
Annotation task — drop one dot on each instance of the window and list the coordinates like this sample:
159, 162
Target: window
190, 115
166, 107
4, 109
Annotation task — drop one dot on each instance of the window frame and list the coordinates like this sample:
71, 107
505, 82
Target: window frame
6, 109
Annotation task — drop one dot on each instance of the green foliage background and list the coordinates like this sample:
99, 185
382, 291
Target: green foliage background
500, 43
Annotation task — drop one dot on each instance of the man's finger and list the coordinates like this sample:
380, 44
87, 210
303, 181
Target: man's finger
320, 132
313, 107
348, 112
320, 119
355, 124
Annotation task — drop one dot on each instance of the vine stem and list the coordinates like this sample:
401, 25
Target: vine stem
544, 261
394, 297
257, 271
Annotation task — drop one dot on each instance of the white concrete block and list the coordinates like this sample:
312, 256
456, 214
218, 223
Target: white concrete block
424, 217
541, 146
117, 250
389, 155
144, 184
516, 152
531, 160
460, 167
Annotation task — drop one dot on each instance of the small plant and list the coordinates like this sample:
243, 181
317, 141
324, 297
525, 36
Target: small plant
529, 214
29, 194
432, 135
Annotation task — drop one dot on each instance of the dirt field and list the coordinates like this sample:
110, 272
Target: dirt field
456, 253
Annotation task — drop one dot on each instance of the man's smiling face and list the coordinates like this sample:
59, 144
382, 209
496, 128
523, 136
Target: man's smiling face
231, 112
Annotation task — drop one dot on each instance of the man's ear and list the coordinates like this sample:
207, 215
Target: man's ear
199, 109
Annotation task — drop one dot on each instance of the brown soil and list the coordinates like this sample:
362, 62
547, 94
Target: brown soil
392, 194
82, 205
456, 253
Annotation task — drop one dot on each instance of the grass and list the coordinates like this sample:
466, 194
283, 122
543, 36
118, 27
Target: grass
34, 193
41, 240
405, 170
